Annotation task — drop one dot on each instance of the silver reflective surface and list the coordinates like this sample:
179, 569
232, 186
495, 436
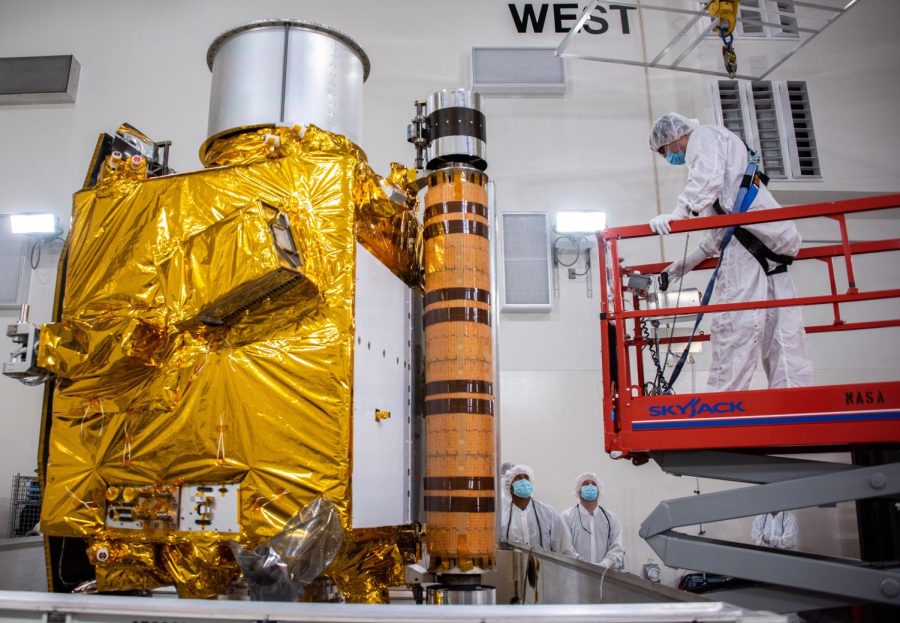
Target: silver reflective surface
449, 149
476, 596
455, 149
452, 98
285, 72
559, 579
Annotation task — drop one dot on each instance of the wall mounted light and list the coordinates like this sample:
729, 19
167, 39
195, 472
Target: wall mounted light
575, 228
582, 222
41, 227
35, 224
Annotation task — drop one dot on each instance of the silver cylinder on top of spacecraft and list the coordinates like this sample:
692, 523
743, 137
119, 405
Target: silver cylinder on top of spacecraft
286, 72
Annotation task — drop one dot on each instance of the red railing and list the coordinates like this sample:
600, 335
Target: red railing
630, 431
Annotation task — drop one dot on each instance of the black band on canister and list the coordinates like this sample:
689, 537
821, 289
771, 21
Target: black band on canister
465, 226
474, 406
455, 207
456, 314
460, 386
457, 294
453, 504
460, 483
456, 121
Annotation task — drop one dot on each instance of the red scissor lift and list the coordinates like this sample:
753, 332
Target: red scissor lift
730, 435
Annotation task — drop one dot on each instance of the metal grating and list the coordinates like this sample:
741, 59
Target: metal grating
526, 262
805, 136
767, 132
732, 111
24, 505
27, 80
773, 118
767, 18
517, 71
786, 17
751, 19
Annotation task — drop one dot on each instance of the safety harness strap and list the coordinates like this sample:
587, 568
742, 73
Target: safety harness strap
745, 196
747, 180
758, 249
762, 253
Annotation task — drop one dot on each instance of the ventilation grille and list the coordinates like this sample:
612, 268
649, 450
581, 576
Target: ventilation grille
788, 22
767, 18
773, 118
751, 19
768, 135
807, 154
518, 71
526, 262
732, 114
28, 80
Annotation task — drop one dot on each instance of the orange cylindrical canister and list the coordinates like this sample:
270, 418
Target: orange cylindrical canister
459, 415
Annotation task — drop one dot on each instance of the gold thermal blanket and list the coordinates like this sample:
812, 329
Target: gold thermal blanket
147, 394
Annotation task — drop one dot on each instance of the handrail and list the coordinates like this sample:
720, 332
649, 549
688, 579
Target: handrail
812, 210
800, 300
624, 345
810, 253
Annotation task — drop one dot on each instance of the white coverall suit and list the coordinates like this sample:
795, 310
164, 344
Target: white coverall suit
597, 538
539, 525
779, 531
717, 159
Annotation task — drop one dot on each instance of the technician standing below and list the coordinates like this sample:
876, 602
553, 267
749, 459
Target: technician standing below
755, 264
776, 529
529, 521
596, 532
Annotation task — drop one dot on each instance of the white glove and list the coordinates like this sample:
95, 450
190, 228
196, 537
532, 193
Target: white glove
677, 270
606, 563
660, 224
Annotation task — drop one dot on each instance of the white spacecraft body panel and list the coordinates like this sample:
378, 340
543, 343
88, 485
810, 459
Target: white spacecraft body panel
381, 480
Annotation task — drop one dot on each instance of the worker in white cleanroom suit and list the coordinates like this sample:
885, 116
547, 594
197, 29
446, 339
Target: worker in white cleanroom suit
529, 521
776, 529
717, 159
596, 532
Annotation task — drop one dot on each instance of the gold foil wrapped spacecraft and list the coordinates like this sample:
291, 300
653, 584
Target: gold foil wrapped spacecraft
148, 394
374, 560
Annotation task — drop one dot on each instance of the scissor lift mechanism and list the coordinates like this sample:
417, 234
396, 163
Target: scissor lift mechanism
727, 435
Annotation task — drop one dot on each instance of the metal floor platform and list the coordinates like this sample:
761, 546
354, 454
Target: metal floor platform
23, 607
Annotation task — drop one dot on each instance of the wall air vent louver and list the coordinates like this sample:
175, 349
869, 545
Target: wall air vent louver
27, 80
526, 262
518, 71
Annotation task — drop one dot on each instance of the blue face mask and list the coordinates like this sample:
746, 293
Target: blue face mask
522, 488
589, 493
675, 157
